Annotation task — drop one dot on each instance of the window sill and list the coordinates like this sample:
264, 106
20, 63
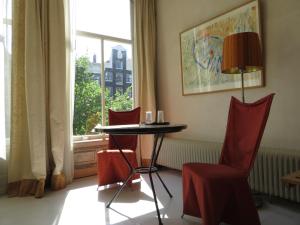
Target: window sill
85, 141
89, 137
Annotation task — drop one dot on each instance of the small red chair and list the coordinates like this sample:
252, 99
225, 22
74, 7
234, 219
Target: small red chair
112, 167
220, 192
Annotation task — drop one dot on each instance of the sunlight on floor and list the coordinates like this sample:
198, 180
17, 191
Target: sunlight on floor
87, 205
81, 203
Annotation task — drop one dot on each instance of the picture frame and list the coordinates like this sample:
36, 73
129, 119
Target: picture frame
201, 52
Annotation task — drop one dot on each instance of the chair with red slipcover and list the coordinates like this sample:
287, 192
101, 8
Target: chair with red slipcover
220, 192
112, 167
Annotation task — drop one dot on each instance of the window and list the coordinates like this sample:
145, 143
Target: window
119, 64
120, 54
119, 90
103, 56
104, 17
111, 91
129, 92
128, 78
108, 76
119, 78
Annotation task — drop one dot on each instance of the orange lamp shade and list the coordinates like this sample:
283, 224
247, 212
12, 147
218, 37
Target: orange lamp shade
241, 52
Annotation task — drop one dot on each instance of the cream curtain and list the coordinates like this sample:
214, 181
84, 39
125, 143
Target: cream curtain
145, 63
41, 115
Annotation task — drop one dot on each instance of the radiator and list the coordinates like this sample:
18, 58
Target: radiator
270, 164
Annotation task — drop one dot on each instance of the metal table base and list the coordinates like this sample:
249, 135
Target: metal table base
158, 139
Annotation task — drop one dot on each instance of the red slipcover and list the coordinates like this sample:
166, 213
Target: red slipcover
112, 167
221, 192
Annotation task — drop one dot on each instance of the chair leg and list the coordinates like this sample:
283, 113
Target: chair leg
171, 196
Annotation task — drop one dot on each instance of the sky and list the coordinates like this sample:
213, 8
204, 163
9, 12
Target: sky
106, 17
90, 46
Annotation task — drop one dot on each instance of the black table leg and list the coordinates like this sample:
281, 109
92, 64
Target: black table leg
165, 186
132, 172
155, 200
120, 189
152, 164
156, 157
122, 153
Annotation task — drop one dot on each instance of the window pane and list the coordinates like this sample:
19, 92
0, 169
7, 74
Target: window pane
8, 11
87, 107
118, 62
106, 17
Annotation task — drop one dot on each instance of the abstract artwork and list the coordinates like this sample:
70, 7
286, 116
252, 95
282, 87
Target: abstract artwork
201, 52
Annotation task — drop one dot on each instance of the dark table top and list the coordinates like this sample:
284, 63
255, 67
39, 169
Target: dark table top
140, 129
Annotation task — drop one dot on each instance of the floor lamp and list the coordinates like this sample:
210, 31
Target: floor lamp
241, 54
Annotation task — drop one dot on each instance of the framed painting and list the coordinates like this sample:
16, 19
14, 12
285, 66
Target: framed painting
201, 52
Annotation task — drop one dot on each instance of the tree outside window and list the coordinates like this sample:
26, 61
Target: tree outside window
87, 107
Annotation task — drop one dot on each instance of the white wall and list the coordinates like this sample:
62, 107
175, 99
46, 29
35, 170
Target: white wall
206, 114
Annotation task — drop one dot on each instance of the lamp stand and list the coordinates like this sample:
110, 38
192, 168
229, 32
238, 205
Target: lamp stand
242, 78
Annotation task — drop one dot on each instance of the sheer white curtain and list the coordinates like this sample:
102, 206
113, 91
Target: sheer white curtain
70, 70
5, 75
